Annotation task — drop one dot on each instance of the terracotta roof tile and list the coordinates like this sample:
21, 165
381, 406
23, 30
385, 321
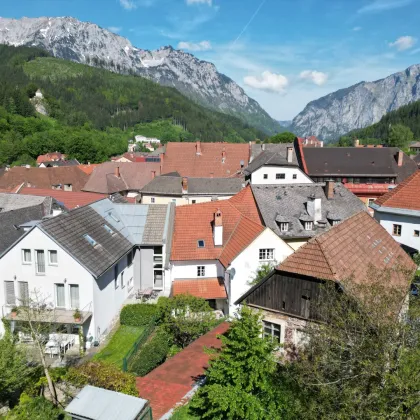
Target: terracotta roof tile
183, 158
211, 288
50, 157
405, 196
368, 188
347, 251
88, 169
244, 201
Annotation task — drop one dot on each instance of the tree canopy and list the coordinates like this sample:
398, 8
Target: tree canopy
285, 137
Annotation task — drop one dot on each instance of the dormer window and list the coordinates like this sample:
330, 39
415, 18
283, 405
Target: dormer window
309, 225
284, 226
201, 243
90, 240
335, 222
108, 229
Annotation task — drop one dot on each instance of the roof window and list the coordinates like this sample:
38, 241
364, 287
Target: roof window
201, 243
108, 229
113, 217
90, 239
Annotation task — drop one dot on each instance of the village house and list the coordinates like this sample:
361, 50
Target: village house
298, 212
56, 163
217, 248
51, 157
275, 164
91, 259
415, 147
312, 141
398, 212
287, 296
183, 190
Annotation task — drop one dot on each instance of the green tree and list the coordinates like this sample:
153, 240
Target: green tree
37, 408
262, 271
400, 136
285, 137
240, 381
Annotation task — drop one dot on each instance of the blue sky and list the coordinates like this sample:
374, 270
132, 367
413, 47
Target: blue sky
284, 53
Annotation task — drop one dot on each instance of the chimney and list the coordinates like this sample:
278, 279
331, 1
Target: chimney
356, 143
242, 163
153, 174
329, 188
290, 154
223, 155
211, 174
313, 207
321, 144
184, 185
400, 157
197, 148
218, 228
117, 171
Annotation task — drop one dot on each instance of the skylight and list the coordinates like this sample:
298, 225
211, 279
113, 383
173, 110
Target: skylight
113, 217
108, 229
201, 243
90, 240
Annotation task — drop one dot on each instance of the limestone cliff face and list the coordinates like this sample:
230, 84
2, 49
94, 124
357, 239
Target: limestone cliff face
357, 106
87, 43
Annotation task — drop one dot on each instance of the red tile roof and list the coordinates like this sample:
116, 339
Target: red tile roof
88, 169
167, 385
183, 158
70, 199
194, 222
211, 288
50, 157
347, 251
405, 196
371, 189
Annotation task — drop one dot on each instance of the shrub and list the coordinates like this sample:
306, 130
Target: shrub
138, 314
102, 375
35, 409
151, 355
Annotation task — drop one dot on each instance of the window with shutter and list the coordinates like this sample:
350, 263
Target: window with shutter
10, 292
74, 296
23, 292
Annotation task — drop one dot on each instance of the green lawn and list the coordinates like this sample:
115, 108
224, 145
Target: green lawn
119, 345
182, 413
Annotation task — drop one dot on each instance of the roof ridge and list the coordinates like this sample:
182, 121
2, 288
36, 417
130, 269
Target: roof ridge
325, 257
394, 191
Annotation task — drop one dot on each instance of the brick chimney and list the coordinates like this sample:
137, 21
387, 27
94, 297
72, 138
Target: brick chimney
117, 171
153, 174
211, 174
329, 189
197, 148
184, 185
289, 154
356, 143
400, 157
218, 228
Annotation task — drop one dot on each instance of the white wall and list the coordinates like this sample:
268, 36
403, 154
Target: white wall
247, 262
188, 269
408, 225
257, 177
179, 201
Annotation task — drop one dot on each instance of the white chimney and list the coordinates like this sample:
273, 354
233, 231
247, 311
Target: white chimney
218, 228
289, 154
313, 207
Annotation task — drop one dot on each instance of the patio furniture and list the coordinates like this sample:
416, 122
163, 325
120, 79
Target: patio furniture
144, 294
59, 343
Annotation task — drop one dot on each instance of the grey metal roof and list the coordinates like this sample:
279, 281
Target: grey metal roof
289, 203
272, 158
68, 230
155, 224
172, 185
93, 403
281, 148
10, 201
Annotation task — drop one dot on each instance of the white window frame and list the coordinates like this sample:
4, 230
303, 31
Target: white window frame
396, 229
309, 225
281, 175
39, 273
56, 294
5, 292
23, 298
71, 303
49, 257
266, 254
201, 271
284, 226
152, 200
275, 328
23, 256
265, 176
294, 176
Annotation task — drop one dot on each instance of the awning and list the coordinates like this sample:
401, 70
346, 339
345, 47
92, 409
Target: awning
211, 288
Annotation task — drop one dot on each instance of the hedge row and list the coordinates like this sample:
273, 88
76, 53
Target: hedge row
151, 355
138, 314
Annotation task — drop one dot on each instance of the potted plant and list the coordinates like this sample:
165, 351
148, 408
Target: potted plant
14, 312
77, 315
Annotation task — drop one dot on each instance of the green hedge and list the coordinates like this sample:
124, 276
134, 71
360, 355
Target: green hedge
138, 314
151, 355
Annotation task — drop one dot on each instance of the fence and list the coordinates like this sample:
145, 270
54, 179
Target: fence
139, 342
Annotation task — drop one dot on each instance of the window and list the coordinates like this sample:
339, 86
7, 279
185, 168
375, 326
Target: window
9, 288
122, 279
68, 187
113, 217
396, 230
152, 200
193, 201
284, 226
266, 254
201, 271
108, 229
305, 304
40, 261
265, 176
90, 240
60, 297
74, 296
52, 255
417, 233
272, 331
174, 200
335, 222
26, 256
116, 276
309, 225
23, 292
294, 176
130, 284
200, 243
280, 176
371, 201
129, 258
158, 279
158, 254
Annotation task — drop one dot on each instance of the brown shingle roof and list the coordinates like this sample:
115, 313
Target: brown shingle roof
405, 196
211, 288
183, 158
44, 177
133, 176
347, 251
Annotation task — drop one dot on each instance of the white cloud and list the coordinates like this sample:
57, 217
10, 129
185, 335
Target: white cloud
357, 28
208, 2
115, 29
133, 4
269, 82
191, 46
317, 77
382, 5
403, 43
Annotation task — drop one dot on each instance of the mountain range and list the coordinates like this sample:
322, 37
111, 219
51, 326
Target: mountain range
87, 43
357, 106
